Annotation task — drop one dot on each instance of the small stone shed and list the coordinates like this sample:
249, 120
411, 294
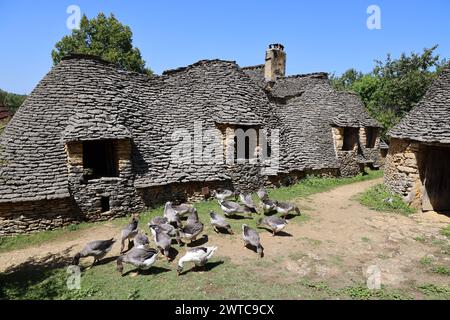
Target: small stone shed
418, 162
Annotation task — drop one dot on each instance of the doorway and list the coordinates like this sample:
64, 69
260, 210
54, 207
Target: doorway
436, 194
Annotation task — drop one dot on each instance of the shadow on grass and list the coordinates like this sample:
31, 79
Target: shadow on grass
223, 231
16, 281
278, 234
151, 271
105, 261
253, 248
283, 234
199, 242
208, 267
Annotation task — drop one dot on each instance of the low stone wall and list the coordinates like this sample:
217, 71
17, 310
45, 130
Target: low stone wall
179, 192
26, 217
349, 162
287, 179
401, 171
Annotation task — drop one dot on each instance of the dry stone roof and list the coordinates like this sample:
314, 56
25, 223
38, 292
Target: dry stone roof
307, 107
429, 121
85, 98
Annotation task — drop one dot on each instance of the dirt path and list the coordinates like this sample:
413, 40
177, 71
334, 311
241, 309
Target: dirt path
343, 239
337, 244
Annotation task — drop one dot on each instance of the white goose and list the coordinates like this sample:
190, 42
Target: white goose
199, 256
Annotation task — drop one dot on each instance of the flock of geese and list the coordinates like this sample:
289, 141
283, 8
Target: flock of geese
170, 227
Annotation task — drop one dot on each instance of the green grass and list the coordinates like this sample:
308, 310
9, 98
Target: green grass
446, 231
426, 261
442, 270
420, 239
361, 292
376, 197
433, 291
306, 187
223, 280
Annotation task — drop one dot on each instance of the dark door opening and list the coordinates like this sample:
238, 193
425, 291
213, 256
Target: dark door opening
100, 158
245, 143
371, 137
105, 204
437, 179
351, 136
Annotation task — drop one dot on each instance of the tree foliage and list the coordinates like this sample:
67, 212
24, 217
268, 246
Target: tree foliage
10, 100
105, 37
394, 86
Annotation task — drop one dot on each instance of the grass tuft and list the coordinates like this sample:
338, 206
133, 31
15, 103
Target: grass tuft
446, 231
378, 198
433, 291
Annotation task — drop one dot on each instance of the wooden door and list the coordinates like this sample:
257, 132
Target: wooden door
437, 179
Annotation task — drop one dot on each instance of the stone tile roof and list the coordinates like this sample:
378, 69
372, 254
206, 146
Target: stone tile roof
82, 97
308, 117
429, 121
93, 125
307, 107
85, 98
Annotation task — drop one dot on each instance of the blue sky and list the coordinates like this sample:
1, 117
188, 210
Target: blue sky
318, 35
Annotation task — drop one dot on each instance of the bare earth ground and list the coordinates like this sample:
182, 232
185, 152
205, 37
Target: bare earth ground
337, 245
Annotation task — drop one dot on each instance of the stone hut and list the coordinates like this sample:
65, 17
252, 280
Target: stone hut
417, 164
93, 141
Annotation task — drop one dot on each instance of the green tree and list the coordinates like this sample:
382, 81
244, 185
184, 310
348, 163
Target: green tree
105, 37
347, 79
10, 100
394, 86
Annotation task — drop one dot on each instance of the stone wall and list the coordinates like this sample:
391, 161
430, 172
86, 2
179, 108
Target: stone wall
353, 162
294, 177
179, 192
123, 197
26, 217
347, 159
401, 173
246, 175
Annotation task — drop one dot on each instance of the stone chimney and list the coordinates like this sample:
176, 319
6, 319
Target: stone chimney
275, 66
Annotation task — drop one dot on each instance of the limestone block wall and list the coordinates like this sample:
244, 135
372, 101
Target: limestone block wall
348, 165
26, 217
401, 173
294, 177
246, 176
88, 194
372, 154
179, 192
